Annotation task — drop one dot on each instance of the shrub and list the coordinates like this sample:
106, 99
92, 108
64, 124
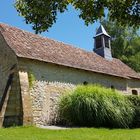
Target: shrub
135, 100
93, 105
31, 78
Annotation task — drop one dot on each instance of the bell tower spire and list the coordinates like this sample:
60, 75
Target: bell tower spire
102, 43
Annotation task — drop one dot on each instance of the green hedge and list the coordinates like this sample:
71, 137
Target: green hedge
135, 100
96, 106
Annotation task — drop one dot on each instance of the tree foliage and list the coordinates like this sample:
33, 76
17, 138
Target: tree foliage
125, 43
43, 13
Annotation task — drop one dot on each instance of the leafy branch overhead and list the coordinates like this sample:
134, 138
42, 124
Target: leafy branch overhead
43, 13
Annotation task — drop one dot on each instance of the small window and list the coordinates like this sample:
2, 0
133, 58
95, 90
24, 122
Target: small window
112, 87
85, 83
134, 92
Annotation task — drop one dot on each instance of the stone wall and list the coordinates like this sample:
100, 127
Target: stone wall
133, 84
7, 60
50, 72
50, 81
8, 64
45, 97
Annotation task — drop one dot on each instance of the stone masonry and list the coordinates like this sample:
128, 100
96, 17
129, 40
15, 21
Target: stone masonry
45, 97
45, 90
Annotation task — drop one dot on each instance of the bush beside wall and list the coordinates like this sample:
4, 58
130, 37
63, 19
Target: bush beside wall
135, 100
96, 106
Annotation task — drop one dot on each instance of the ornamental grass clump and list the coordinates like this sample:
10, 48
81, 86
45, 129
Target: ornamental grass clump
135, 100
96, 106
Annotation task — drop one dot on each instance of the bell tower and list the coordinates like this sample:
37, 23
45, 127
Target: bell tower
102, 43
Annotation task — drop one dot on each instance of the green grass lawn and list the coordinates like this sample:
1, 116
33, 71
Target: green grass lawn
32, 133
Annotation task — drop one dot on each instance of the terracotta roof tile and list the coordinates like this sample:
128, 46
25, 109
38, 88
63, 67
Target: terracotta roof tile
29, 45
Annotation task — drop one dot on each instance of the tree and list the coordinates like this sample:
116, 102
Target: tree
43, 13
125, 43
134, 59
134, 62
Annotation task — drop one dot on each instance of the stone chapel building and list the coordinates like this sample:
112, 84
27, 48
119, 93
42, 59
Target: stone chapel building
35, 71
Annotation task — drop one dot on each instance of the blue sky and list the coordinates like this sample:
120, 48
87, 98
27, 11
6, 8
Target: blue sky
68, 28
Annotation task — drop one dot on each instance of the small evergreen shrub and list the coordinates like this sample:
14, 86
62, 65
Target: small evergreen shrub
135, 100
31, 79
93, 105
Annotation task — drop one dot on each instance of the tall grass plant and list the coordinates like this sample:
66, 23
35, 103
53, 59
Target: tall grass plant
97, 106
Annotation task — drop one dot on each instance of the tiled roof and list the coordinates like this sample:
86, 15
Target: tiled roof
29, 45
